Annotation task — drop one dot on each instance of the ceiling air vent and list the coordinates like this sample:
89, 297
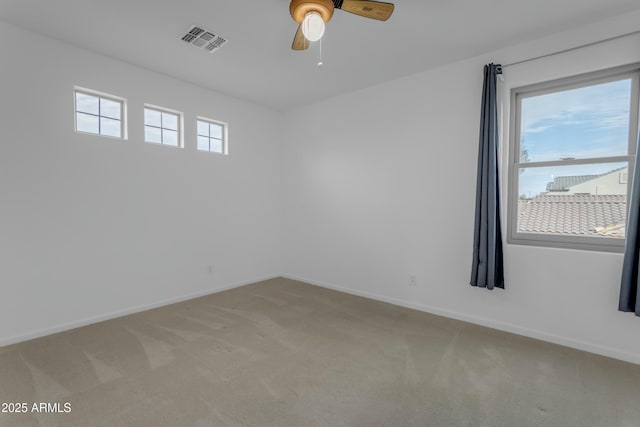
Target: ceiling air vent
203, 39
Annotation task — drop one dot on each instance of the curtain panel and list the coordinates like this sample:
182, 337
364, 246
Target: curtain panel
487, 267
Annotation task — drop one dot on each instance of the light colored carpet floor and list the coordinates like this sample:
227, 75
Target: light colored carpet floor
282, 353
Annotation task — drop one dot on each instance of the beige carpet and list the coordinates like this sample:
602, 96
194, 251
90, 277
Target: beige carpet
282, 353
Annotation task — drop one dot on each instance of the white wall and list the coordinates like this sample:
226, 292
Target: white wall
92, 227
380, 184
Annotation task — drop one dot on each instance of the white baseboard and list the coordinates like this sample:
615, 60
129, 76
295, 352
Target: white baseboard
119, 313
518, 330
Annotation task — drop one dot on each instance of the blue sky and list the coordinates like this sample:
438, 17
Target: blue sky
580, 123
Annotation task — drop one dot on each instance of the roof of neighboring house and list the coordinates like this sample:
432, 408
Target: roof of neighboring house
562, 183
594, 215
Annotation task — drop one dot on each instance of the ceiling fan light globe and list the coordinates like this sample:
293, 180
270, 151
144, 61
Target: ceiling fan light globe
313, 26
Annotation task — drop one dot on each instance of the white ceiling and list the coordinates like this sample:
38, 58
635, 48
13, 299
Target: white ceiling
257, 63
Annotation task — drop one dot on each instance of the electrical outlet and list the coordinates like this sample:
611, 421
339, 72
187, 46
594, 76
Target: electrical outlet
412, 280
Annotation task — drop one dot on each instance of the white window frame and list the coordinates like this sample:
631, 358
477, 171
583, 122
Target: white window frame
168, 111
225, 135
101, 95
517, 94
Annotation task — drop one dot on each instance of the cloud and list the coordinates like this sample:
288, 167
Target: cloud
603, 106
537, 128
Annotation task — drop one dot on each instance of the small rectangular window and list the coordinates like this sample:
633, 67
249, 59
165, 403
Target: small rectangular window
624, 176
212, 136
572, 147
99, 114
162, 126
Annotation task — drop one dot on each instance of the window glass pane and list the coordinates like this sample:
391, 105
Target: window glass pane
151, 117
216, 146
581, 123
583, 200
203, 128
109, 108
169, 121
87, 103
203, 143
87, 123
152, 134
109, 127
170, 137
216, 131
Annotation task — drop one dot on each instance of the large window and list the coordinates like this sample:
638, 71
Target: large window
99, 114
212, 136
573, 145
162, 126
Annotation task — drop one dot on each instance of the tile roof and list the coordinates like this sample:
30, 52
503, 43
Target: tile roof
562, 183
573, 214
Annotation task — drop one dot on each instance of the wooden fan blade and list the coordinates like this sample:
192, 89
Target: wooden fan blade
299, 41
369, 9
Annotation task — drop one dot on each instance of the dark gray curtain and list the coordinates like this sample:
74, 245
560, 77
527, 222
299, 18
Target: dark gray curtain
629, 297
487, 269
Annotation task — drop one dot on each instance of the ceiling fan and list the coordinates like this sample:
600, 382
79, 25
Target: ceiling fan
313, 14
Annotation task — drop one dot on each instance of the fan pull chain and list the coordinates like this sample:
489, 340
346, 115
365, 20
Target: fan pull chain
320, 64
